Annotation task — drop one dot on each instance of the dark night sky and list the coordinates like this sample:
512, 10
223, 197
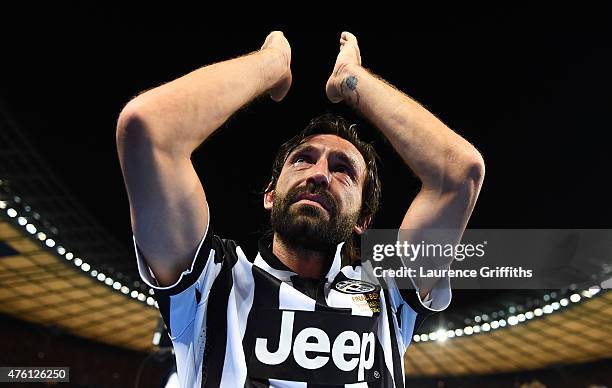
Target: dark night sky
531, 93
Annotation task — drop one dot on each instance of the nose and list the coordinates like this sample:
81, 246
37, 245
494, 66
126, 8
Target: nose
320, 174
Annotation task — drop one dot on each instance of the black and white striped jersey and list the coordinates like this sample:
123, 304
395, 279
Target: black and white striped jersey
237, 322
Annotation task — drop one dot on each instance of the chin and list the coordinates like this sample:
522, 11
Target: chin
309, 211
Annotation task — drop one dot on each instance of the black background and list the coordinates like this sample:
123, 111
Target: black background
531, 90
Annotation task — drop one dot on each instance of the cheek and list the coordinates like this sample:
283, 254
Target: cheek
352, 201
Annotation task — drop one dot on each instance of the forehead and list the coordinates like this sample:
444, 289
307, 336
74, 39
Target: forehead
333, 143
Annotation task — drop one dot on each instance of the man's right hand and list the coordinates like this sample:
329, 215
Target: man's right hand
277, 41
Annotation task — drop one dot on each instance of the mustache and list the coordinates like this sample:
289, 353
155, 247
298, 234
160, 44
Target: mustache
325, 196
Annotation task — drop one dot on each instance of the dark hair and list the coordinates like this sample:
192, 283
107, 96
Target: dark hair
339, 126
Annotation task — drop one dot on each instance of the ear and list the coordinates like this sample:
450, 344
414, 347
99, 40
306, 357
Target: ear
268, 198
359, 229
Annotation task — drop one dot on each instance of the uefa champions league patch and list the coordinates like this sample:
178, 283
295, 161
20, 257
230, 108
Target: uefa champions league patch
365, 295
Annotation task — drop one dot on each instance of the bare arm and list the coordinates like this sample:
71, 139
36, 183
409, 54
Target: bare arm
157, 133
450, 168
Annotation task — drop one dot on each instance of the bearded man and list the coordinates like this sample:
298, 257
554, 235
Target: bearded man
299, 313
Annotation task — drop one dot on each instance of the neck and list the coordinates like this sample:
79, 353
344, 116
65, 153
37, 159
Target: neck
305, 263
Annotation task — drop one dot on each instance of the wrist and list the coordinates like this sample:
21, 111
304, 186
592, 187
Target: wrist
345, 81
275, 66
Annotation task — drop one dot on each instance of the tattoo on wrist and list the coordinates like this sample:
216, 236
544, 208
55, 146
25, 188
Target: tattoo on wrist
350, 83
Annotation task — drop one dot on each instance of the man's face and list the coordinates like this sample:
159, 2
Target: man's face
318, 195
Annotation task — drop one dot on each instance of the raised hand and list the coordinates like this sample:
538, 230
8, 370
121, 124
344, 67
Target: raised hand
349, 55
276, 41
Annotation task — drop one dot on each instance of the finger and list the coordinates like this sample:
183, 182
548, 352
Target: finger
349, 36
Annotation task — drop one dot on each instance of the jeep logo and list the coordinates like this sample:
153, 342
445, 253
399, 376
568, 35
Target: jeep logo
311, 348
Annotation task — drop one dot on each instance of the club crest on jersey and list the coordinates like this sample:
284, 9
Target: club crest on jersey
354, 286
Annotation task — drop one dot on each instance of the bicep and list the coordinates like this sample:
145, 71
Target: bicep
168, 208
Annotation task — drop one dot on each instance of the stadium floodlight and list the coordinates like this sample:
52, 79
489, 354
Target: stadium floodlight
424, 337
2, 204
538, 312
134, 294
486, 327
555, 305
85, 267
41, 236
11, 212
108, 281
150, 301
30, 228
22, 221
61, 250
575, 298
416, 338
50, 243
468, 330
547, 309
156, 338
564, 302
69, 256
78, 262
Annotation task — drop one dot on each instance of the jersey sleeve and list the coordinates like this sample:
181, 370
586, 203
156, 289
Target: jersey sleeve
410, 310
178, 303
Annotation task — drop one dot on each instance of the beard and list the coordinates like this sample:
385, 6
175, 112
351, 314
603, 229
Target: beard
309, 227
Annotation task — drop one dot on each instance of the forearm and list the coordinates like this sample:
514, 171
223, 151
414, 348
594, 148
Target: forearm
180, 115
437, 155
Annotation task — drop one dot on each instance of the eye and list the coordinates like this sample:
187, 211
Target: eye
299, 159
344, 169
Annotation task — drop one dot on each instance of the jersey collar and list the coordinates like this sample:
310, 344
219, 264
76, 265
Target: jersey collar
268, 261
